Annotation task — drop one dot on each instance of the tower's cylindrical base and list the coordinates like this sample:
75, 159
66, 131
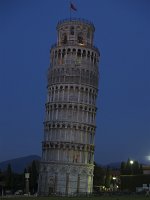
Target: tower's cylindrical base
65, 179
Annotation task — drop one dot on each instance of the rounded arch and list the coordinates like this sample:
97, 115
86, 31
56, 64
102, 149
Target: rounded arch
88, 54
63, 53
84, 53
68, 51
79, 53
74, 51
59, 53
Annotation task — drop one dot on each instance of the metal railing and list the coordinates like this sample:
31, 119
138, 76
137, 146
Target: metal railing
75, 43
76, 20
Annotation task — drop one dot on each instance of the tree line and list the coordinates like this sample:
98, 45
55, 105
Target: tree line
127, 177
103, 176
11, 181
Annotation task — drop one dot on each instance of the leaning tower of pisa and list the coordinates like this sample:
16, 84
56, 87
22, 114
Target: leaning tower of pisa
69, 127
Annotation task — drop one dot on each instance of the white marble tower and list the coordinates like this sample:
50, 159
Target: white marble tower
69, 127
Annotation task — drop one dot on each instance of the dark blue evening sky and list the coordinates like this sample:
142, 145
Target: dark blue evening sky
27, 31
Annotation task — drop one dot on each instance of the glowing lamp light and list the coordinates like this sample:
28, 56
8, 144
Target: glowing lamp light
147, 158
81, 44
131, 162
27, 175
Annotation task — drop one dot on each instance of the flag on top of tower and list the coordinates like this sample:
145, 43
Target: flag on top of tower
73, 7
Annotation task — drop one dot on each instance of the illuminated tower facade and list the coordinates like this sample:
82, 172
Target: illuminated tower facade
69, 127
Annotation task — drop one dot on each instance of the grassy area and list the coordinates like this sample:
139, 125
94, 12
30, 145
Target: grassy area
131, 197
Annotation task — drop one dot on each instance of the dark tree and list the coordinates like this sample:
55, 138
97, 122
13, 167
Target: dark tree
18, 181
123, 168
33, 170
108, 178
9, 178
99, 175
129, 168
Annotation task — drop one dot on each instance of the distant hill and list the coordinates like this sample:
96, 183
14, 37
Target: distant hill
19, 164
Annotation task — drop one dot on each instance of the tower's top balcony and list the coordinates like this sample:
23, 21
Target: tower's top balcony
78, 31
74, 21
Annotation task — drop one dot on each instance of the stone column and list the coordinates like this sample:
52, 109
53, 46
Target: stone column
79, 96
56, 177
67, 183
63, 94
78, 184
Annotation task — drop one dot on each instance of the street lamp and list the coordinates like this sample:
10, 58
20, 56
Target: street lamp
114, 182
131, 163
27, 176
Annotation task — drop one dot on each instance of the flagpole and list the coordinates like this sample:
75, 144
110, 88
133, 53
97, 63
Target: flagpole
70, 9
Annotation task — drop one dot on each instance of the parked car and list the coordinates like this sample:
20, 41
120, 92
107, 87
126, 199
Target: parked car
19, 192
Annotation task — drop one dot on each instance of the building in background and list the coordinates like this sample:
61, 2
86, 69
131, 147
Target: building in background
69, 127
